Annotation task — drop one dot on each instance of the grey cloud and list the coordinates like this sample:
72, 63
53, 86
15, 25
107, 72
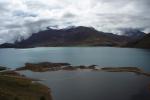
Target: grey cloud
24, 14
69, 15
21, 18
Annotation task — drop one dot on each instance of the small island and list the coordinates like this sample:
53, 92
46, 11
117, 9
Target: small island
49, 66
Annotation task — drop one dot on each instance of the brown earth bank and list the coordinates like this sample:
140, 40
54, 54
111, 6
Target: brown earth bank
14, 86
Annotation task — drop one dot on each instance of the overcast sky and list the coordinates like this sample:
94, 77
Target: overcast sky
20, 18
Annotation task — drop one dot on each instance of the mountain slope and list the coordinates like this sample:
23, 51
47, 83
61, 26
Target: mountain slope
142, 43
134, 34
75, 36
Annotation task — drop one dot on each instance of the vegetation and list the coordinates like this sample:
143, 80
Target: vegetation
2, 68
43, 66
15, 87
49, 66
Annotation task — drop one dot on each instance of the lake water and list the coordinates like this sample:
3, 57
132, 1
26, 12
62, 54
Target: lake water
102, 56
86, 85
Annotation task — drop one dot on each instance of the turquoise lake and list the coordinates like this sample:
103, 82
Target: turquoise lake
102, 56
86, 85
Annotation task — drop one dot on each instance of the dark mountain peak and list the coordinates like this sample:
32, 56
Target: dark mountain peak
83, 28
147, 35
142, 43
75, 29
133, 33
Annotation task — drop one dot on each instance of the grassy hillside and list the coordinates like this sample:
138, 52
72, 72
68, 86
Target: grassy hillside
14, 87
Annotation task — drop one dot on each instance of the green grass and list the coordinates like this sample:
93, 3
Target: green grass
17, 88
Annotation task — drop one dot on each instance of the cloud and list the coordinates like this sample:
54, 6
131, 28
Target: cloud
21, 18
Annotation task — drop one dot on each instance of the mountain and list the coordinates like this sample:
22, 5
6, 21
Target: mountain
142, 43
74, 36
134, 34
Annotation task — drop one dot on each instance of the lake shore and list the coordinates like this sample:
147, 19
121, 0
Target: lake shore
21, 84
49, 66
14, 86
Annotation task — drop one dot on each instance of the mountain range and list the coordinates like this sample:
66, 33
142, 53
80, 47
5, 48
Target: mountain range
141, 43
76, 36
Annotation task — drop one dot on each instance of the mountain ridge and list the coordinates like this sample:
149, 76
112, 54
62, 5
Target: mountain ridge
74, 36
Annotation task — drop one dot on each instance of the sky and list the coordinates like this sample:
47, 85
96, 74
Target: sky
21, 18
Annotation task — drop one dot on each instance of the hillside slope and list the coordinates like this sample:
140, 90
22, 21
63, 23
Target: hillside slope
76, 36
142, 43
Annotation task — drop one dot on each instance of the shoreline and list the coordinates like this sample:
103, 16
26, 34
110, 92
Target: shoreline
48, 67
14, 86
